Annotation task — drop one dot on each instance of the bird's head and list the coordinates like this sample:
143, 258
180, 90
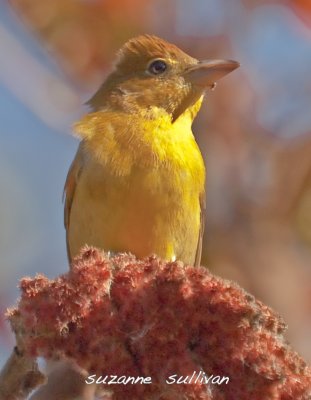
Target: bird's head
151, 72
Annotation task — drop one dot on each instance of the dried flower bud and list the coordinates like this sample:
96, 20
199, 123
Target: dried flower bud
125, 317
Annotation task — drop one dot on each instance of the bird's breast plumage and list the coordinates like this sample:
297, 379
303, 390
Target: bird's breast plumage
139, 187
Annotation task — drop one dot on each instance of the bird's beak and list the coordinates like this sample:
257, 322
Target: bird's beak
204, 74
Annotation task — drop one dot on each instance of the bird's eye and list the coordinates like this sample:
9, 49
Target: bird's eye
157, 67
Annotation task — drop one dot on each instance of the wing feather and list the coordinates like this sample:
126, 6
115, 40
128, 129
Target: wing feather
69, 191
198, 254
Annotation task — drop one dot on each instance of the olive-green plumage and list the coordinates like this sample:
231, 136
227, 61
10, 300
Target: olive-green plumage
137, 181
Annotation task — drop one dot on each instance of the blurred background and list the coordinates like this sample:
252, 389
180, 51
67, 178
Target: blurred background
254, 131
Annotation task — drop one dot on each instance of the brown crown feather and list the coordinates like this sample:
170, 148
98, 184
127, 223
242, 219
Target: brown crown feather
147, 47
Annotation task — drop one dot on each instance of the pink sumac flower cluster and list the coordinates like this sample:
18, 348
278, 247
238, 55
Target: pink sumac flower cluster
180, 326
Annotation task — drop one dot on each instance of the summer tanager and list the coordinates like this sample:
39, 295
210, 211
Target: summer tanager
137, 181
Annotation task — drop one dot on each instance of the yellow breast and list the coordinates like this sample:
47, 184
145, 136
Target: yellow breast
139, 187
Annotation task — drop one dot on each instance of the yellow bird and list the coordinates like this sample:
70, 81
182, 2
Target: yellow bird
137, 181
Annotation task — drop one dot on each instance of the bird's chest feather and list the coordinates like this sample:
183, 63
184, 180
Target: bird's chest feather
142, 156
165, 190
139, 188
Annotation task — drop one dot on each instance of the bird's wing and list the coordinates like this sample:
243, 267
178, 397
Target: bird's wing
198, 254
69, 191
